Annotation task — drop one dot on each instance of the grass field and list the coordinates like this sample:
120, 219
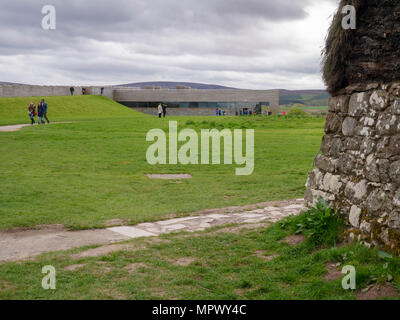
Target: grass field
88, 172
84, 173
221, 263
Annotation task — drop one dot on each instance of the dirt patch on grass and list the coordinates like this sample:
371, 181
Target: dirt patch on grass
241, 293
103, 251
135, 266
333, 272
159, 293
113, 294
294, 240
182, 262
170, 176
265, 256
376, 292
102, 268
5, 285
74, 267
156, 240
239, 228
25, 231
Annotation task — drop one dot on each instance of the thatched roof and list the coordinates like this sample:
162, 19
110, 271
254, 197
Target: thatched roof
368, 54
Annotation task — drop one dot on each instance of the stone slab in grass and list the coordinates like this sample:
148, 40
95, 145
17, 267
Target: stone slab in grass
170, 176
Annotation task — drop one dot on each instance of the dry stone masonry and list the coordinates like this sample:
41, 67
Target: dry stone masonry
358, 168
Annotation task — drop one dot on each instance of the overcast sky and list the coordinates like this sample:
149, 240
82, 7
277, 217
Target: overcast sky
255, 44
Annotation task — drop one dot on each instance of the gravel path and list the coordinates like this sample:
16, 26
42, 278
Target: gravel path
17, 127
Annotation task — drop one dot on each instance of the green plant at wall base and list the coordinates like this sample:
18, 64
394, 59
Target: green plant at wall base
321, 224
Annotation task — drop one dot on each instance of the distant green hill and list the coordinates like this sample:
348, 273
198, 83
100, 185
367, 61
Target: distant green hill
312, 98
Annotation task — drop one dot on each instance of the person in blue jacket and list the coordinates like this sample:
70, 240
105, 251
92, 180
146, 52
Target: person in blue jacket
40, 113
44, 108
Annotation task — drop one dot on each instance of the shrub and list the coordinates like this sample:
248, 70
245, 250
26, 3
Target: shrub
298, 112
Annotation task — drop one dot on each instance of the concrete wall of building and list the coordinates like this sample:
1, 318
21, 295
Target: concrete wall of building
184, 111
15, 90
150, 95
193, 95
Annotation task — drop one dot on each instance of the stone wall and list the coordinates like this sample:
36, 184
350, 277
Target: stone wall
358, 168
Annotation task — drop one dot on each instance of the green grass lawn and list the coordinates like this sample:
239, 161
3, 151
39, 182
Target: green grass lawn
220, 263
15, 110
85, 173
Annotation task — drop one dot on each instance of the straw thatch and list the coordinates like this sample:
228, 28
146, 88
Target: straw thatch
368, 54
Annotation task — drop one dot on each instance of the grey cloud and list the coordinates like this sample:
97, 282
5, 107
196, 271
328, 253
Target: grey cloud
102, 40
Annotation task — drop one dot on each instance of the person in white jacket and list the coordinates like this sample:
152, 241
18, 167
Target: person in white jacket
160, 110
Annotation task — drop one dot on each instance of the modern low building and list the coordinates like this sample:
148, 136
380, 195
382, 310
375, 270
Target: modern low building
183, 100
233, 100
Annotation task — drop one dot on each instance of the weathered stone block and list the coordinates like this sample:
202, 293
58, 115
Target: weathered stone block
315, 179
394, 220
356, 191
367, 146
365, 227
331, 146
394, 172
371, 171
387, 124
359, 103
349, 126
339, 104
332, 183
353, 143
346, 164
396, 198
365, 131
376, 201
333, 123
396, 107
379, 100
355, 215
325, 163
368, 121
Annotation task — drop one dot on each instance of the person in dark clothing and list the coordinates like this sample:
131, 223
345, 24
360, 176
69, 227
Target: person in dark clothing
102, 91
164, 109
72, 90
40, 113
44, 109
32, 112
83, 91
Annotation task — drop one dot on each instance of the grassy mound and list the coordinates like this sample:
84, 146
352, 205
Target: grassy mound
15, 110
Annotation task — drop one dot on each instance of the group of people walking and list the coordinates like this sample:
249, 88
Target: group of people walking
41, 112
162, 110
220, 112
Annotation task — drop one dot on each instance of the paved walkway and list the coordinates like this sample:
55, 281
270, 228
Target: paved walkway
17, 245
17, 127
